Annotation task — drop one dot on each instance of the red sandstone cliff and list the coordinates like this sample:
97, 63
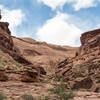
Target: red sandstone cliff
5, 36
83, 71
41, 53
25, 59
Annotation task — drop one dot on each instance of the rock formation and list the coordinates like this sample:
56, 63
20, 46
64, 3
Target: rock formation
5, 36
90, 41
0, 15
83, 70
41, 53
24, 61
12, 62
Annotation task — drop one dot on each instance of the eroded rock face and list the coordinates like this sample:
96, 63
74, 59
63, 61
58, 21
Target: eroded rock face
41, 53
5, 36
90, 41
3, 76
23, 73
89, 35
86, 83
83, 71
31, 73
29, 76
12, 72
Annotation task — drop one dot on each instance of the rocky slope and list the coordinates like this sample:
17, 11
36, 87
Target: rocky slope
13, 66
22, 62
41, 53
83, 71
25, 64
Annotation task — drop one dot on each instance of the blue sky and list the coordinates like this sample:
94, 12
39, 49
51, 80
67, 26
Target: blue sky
54, 21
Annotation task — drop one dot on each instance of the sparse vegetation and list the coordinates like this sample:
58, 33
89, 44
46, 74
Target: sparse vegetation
44, 97
15, 65
60, 91
4, 62
2, 96
27, 97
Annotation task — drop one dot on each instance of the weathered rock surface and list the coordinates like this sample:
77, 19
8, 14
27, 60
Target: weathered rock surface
90, 41
32, 74
87, 96
7, 45
23, 73
13, 61
41, 53
5, 36
24, 60
83, 71
3, 76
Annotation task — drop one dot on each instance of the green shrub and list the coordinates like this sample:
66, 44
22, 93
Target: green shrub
27, 97
2, 96
66, 96
43, 97
46, 98
60, 91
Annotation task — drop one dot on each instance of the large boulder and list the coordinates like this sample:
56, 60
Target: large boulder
3, 76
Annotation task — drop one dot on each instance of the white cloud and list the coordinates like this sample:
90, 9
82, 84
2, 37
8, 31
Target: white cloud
84, 4
13, 17
55, 3
77, 4
58, 31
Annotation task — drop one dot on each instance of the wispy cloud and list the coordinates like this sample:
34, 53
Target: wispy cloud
54, 3
84, 4
77, 4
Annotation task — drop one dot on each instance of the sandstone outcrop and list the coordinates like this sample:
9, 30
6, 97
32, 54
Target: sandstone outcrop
41, 53
21, 73
83, 71
12, 61
31, 73
7, 44
27, 65
5, 36
90, 41
3, 76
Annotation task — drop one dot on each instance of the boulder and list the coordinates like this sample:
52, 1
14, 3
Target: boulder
3, 76
29, 76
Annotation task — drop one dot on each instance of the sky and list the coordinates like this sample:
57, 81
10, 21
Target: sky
58, 22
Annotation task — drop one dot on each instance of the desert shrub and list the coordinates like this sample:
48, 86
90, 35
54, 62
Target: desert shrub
46, 98
60, 91
2, 62
27, 97
6, 62
2, 96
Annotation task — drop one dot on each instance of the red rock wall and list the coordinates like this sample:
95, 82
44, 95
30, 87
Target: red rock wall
5, 36
90, 41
